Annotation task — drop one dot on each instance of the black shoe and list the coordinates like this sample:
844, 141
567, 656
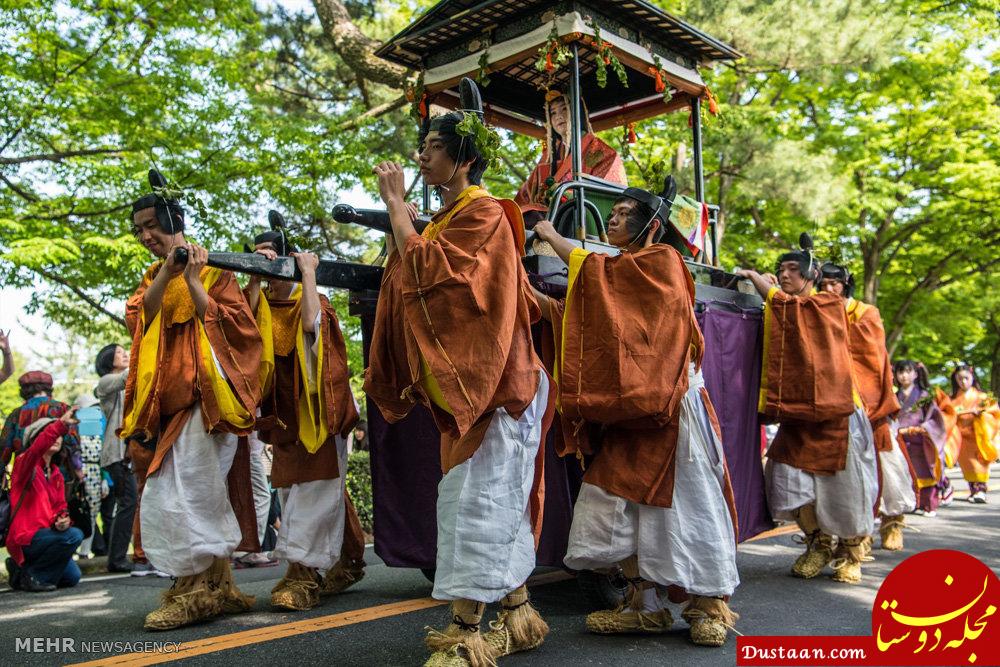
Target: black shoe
32, 585
119, 567
13, 574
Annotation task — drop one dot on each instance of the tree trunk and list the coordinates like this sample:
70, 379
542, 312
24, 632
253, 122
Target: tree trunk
356, 48
871, 253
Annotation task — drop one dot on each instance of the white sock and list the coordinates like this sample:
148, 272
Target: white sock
650, 600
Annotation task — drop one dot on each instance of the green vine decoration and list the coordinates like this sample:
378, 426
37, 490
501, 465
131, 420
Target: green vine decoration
486, 139
661, 85
606, 57
174, 191
482, 77
553, 54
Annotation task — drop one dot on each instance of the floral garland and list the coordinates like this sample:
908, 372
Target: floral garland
657, 72
417, 98
713, 104
605, 57
552, 54
629, 137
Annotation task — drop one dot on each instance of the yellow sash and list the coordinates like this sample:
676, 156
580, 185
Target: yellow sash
265, 325
313, 431
230, 409
275, 328
466, 197
576, 258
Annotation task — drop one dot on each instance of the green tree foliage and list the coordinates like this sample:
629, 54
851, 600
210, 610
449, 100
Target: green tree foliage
359, 487
874, 130
10, 396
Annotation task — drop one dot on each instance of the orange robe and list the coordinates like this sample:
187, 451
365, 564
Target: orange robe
872, 370
944, 404
972, 440
180, 379
458, 304
279, 409
599, 160
874, 381
806, 380
624, 340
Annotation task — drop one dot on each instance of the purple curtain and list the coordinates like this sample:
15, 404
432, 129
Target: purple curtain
732, 376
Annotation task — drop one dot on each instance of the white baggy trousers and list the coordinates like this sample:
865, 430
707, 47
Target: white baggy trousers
312, 518
898, 496
844, 501
186, 519
312, 513
690, 544
485, 544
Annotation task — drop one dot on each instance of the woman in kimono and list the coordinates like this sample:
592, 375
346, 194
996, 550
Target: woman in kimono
971, 441
921, 429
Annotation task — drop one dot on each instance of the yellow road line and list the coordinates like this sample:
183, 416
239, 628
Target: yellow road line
268, 633
272, 632
775, 532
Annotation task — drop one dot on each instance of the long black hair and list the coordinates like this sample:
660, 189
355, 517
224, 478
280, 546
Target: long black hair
954, 383
923, 381
552, 137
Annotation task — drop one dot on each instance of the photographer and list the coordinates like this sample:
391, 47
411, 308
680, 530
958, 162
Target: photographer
42, 541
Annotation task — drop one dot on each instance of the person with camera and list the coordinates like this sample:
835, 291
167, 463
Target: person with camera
41, 541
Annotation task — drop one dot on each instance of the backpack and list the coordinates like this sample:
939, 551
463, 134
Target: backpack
6, 514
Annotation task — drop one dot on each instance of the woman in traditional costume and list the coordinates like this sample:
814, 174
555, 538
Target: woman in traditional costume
971, 441
921, 428
556, 163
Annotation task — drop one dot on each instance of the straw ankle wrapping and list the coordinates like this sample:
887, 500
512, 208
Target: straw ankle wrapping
191, 598
525, 625
849, 551
713, 608
299, 576
220, 575
636, 584
806, 519
463, 634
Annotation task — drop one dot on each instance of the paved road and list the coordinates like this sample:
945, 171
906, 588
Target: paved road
381, 620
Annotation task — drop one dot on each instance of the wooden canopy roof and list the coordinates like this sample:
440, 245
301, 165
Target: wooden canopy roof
451, 39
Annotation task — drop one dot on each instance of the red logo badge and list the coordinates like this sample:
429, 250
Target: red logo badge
938, 608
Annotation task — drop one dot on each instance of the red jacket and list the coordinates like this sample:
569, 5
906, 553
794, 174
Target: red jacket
44, 500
